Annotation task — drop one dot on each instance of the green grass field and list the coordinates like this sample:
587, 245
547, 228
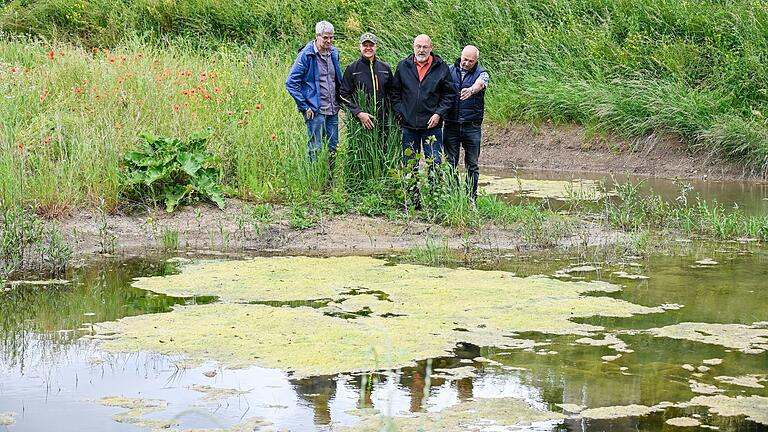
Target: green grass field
81, 79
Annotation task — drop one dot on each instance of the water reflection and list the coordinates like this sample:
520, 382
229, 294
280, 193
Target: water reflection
48, 374
750, 196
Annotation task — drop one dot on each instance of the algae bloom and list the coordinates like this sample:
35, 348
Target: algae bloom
402, 313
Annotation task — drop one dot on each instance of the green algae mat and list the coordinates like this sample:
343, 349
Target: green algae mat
368, 314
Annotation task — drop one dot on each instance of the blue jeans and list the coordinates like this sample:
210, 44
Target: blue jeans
318, 126
416, 139
467, 135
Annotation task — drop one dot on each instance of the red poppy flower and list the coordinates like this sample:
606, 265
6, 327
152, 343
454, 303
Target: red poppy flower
258, 106
241, 122
14, 70
20, 146
176, 107
246, 112
186, 104
229, 113
94, 50
51, 55
111, 59
45, 91
118, 126
84, 83
216, 90
274, 137
26, 71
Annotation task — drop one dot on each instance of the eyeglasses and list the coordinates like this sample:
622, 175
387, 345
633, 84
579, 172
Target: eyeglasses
418, 47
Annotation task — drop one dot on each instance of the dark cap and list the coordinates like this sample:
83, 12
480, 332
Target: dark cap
368, 37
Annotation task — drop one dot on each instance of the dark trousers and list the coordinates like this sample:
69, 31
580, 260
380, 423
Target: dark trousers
466, 135
415, 139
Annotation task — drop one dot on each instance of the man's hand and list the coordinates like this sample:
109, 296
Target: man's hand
366, 119
466, 93
433, 121
310, 114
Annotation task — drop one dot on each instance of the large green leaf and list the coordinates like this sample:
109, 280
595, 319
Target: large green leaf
173, 196
189, 163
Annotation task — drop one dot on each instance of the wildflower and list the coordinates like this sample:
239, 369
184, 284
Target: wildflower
78, 90
229, 113
274, 137
118, 126
111, 59
51, 55
94, 50
186, 104
26, 72
46, 140
246, 112
14, 70
139, 55
258, 106
84, 83
216, 90
20, 146
176, 107
105, 51
42, 97
241, 122
45, 91
185, 92
122, 59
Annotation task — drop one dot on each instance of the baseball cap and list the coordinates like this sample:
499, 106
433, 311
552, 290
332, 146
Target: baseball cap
368, 36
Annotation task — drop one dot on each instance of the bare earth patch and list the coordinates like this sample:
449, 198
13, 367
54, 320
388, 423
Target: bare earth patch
570, 148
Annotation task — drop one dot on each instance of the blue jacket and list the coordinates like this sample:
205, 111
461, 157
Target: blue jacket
303, 81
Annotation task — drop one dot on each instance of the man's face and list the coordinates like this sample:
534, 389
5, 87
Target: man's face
468, 60
368, 49
324, 40
422, 48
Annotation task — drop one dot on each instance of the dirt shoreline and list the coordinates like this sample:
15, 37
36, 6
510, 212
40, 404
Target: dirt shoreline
571, 148
206, 228
516, 146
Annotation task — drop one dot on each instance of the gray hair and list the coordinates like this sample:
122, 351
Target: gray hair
473, 48
323, 27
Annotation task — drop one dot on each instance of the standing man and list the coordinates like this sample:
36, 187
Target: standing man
462, 124
371, 76
422, 93
314, 82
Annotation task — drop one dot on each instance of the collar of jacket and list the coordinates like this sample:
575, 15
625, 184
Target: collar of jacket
457, 64
313, 48
366, 61
436, 60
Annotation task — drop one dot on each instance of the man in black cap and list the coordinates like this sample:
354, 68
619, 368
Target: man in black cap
371, 76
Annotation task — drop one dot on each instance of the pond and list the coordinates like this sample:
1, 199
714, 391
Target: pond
316, 343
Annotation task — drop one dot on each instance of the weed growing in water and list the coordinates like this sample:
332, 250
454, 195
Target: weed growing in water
21, 235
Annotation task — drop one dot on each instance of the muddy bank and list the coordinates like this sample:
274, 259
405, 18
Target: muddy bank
572, 148
206, 227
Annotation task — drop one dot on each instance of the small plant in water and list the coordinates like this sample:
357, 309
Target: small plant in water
107, 237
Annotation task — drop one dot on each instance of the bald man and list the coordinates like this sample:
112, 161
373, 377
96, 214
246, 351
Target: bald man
422, 93
463, 121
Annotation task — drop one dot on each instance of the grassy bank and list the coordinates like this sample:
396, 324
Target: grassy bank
696, 69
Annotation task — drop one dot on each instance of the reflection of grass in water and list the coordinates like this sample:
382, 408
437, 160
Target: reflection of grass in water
33, 317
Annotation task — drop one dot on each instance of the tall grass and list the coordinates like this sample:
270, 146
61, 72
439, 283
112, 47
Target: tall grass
69, 115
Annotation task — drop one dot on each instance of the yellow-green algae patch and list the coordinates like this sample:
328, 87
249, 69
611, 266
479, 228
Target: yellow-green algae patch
7, 418
752, 381
747, 339
474, 415
619, 411
683, 422
578, 189
137, 409
430, 310
216, 393
755, 408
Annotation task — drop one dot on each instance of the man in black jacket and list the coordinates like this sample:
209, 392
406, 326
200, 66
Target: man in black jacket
422, 93
371, 76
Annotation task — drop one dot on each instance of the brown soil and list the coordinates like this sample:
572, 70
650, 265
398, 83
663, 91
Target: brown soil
229, 230
571, 148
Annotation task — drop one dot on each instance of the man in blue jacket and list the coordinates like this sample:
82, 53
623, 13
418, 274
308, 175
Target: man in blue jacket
314, 83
